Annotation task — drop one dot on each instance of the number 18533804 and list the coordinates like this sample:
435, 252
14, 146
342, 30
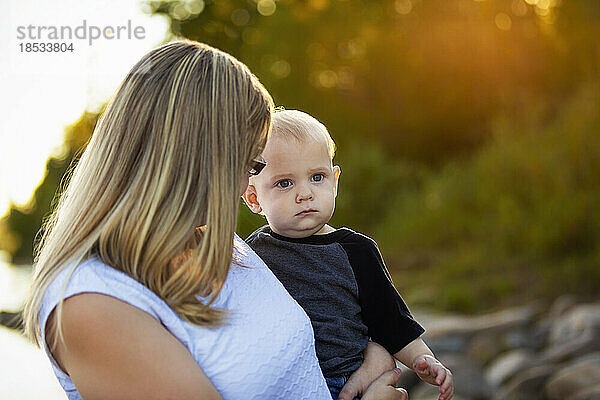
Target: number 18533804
46, 47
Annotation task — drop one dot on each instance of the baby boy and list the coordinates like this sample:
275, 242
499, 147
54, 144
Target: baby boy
337, 275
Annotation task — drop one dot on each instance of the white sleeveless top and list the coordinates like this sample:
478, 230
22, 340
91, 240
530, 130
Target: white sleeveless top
265, 350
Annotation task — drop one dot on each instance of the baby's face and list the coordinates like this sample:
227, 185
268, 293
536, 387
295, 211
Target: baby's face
296, 190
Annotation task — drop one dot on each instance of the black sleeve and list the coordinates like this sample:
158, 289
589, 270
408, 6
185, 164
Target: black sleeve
387, 317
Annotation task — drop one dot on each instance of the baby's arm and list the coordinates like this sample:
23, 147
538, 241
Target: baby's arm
418, 356
377, 361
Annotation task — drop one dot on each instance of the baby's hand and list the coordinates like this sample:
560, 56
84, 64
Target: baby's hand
432, 371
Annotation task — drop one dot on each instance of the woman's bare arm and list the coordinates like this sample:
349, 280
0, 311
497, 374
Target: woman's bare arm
377, 361
113, 350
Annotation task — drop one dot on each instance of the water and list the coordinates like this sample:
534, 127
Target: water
25, 372
14, 283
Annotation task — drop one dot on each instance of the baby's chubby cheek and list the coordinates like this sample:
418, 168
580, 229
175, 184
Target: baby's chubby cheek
277, 219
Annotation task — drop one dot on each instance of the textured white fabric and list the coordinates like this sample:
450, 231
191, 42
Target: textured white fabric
264, 351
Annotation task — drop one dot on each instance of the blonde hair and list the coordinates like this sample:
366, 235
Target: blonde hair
168, 155
301, 126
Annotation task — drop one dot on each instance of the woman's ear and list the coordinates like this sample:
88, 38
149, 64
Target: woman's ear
336, 177
251, 199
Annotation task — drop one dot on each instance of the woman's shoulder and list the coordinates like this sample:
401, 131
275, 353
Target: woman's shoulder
93, 294
125, 346
94, 276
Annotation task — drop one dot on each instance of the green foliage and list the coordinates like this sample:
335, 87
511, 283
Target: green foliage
248, 222
21, 226
370, 181
21, 223
421, 78
517, 219
467, 148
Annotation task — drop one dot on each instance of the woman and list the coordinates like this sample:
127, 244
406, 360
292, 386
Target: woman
130, 299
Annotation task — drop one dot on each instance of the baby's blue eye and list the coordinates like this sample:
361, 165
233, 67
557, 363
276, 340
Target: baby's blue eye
284, 183
318, 177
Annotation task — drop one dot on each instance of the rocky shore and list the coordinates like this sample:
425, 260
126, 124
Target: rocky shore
531, 352
12, 320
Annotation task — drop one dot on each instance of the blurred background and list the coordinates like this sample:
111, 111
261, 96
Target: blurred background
468, 135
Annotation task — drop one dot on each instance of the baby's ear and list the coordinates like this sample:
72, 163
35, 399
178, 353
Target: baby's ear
251, 199
336, 177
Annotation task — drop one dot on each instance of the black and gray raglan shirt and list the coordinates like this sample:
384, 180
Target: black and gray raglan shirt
342, 283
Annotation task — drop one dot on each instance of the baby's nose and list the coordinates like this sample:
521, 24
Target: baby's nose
304, 194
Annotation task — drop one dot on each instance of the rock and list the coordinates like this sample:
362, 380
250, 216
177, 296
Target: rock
592, 393
528, 385
525, 337
483, 348
499, 321
469, 382
561, 305
11, 320
448, 343
425, 391
453, 333
508, 365
505, 320
540, 334
586, 343
583, 319
582, 373
529, 356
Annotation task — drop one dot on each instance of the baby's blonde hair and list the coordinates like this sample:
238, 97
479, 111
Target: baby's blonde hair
169, 154
301, 126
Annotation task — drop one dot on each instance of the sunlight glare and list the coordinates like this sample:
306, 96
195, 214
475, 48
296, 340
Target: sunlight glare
403, 7
519, 8
503, 21
266, 7
44, 92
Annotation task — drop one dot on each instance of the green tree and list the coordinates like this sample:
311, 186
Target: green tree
21, 225
466, 132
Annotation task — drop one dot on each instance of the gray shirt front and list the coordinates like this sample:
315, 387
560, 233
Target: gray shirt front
321, 279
